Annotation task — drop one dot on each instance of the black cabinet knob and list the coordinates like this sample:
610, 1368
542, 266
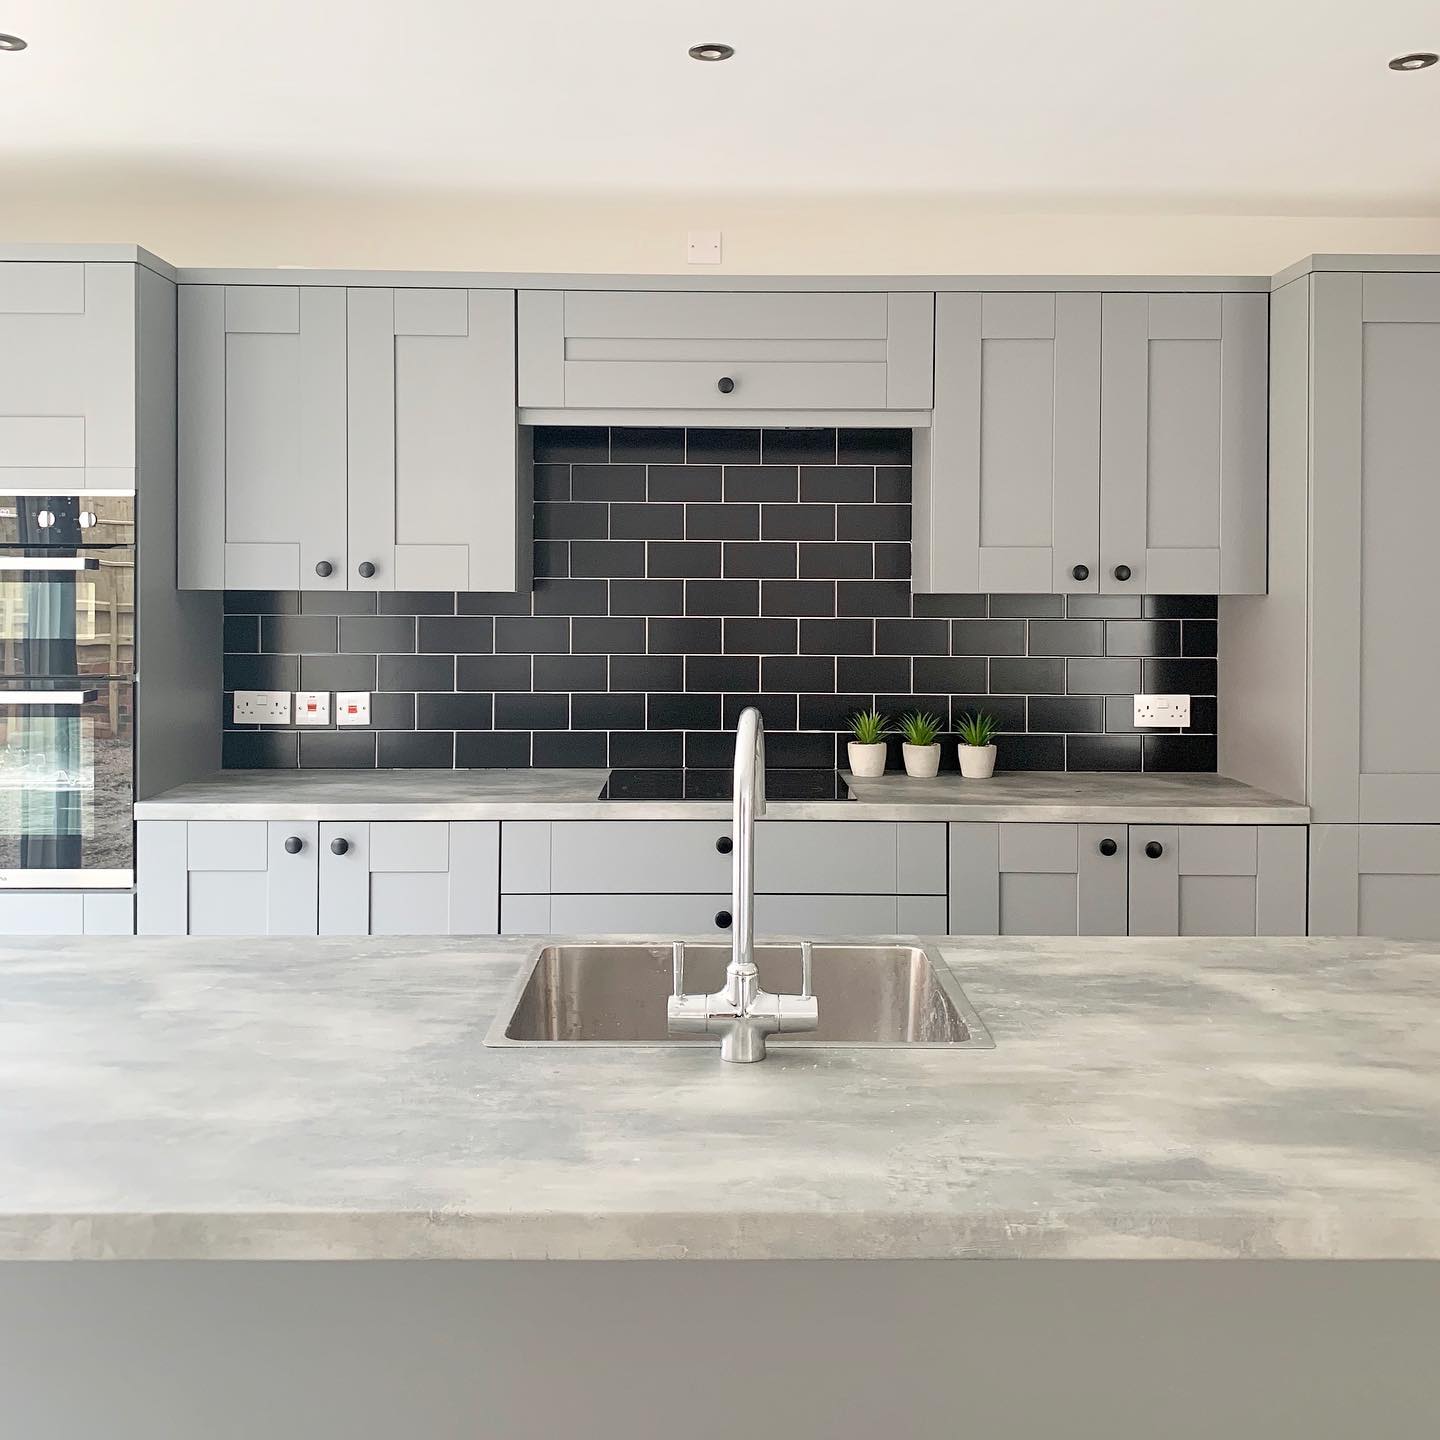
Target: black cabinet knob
339, 847
724, 384
1108, 847
366, 569
294, 845
1081, 572
724, 844
1122, 572
722, 919
1154, 849
323, 568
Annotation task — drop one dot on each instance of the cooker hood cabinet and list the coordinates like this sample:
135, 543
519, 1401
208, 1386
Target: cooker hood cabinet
360, 438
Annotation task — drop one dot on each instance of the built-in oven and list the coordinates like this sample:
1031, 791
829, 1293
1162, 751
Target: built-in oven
67, 690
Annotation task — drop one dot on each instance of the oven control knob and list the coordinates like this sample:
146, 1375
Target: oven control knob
88, 519
45, 519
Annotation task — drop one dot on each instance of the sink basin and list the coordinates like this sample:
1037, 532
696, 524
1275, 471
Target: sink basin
602, 994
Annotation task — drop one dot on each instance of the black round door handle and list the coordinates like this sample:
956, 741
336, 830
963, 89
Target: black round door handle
724, 844
724, 384
1081, 572
1108, 847
1154, 849
1122, 572
366, 569
722, 919
339, 846
294, 845
323, 568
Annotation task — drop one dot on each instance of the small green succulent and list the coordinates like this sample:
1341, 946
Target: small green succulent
978, 729
920, 727
869, 727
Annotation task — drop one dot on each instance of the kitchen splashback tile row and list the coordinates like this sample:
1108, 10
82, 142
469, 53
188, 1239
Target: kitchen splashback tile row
683, 574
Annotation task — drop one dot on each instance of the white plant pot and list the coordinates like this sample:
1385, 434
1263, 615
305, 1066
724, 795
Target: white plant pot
867, 761
977, 762
921, 761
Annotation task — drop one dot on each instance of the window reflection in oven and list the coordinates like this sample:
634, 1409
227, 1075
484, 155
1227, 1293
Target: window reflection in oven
67, 614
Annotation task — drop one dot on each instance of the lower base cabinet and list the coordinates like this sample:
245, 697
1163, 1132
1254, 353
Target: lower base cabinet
1054, 879
1375, 880
283, 877
67, 912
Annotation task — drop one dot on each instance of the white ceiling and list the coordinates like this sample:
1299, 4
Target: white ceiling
1253, 105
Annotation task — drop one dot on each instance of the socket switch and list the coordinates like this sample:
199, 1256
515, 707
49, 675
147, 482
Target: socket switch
1167, 712
352, 707
312, 707
262, 707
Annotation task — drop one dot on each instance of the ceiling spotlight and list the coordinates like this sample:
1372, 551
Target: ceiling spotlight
13, 42
1419, 60
711, 51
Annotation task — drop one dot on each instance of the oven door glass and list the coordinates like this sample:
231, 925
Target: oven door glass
66, 611
65, 783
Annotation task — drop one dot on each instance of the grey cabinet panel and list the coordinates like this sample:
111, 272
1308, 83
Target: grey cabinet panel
1154, 881
1183, 443
67, 375
229, 893
474, 877
638, 856
525, 857
1010, 500
345, 879
1379, 880
109, 912
42, 912
435, 495
669, 349
921, 915
635, 914
525, 915
262, 444
293, 900
228, 845
826, 916
1036, 879
847, 858
1375, 510
161, 877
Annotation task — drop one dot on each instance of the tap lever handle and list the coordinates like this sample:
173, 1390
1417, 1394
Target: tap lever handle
677, 961
807, 960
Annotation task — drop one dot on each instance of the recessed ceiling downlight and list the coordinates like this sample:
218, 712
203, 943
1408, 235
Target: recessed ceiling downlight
711, 51
1417, 60
13, 42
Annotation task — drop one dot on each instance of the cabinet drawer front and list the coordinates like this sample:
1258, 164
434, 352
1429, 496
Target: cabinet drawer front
666, 915
816, 916
717, 315
825, 857
228, 845
638, 856
400, 846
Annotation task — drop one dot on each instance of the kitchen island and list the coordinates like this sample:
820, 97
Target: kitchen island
179, 1102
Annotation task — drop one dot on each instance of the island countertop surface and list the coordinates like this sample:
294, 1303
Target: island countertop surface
332, 1098
356, 795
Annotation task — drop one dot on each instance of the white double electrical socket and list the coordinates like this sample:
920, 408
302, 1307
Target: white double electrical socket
352, 707
312, 707
1165, 711
262, 707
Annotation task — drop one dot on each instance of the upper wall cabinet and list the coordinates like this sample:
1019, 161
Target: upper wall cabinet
360, 439
724, 351
1095, 444
67, 376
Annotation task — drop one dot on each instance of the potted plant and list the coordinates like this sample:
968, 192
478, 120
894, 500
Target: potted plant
922, 744
977, 745
867, 750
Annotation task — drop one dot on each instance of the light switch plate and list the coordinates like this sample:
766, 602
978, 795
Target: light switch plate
1166, 712
352, 707
703, 247
262, 707
312, 707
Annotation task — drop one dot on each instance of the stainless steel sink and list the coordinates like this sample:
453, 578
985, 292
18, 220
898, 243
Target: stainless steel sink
584, 994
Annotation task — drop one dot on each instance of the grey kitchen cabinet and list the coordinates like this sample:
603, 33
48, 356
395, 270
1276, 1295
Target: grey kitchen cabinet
1183, 405
360, 439
1087, 443
431, 877
1217, 880
67, 912
439, 494
262, 442
1380, 880
67, 376
1037, 878
1008, 492
724, 351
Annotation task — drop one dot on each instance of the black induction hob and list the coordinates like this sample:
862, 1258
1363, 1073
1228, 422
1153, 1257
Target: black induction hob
719, 785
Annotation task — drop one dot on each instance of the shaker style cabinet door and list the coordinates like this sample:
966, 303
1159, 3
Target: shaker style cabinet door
1037, 879
1375, 515
1380, 880
1008, 498
437, 497
262, 460
1217, 879
67, 376
1183, 401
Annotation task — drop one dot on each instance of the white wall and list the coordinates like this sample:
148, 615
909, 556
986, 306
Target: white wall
198, 223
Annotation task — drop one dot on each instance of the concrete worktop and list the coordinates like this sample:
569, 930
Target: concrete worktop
571, 795
303, 1098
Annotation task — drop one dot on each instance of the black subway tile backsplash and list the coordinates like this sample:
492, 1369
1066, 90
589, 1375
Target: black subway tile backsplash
684, 574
